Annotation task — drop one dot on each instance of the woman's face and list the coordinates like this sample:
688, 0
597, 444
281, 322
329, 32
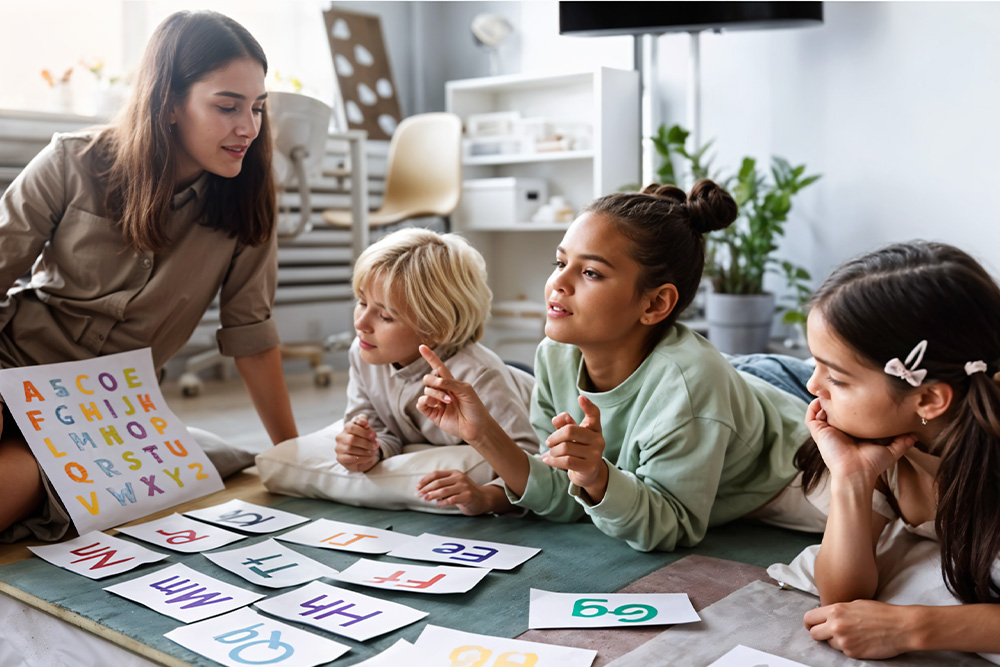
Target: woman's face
218, 121
591, 294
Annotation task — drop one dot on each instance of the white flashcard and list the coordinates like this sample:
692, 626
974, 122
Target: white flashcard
415, 578
270, 564
244, 637
327, 534
182, 534
460, 551
400, 653
608, 610
185, 594
443, 646
342, 612
96, 555
744, 656
247, 517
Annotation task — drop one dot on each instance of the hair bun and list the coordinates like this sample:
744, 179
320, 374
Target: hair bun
669, 192
710, 207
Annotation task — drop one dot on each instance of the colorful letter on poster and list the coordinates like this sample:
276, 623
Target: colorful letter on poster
743, 656
247, 517
327, 534
105, 437
179, 533
244, 637
96, 555
413, 578
442, 646
608, 610
270, 564
460, 551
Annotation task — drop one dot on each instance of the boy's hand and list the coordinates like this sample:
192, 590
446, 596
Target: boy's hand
448, 488
579, 450
357, 448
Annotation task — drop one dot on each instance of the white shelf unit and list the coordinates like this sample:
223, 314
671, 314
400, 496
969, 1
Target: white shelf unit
605, 99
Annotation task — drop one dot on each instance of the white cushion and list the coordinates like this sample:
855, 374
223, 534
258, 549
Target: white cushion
307, 467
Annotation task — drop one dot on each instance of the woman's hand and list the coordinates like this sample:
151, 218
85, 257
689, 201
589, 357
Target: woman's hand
863, 629
357, 448
448, 488
579, 450
453, 405
848, 458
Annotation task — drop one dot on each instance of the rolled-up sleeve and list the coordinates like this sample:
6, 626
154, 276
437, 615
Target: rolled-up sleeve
246, 302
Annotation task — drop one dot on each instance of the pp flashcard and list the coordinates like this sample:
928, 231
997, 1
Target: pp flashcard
442, 646
608, 610
96, 555
415, 578
744, 656
247, 517
182, 534
185, 594
342, 612
244, 637
270, 564
327, 534
460, 551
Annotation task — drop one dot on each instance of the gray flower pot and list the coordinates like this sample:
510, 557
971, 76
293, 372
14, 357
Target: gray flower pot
739, 323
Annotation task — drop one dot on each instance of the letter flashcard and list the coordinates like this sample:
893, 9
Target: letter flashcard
185, 594
327, 534
96, 555
443, 646
744, 656
270, 564
182, 534
400, 653
608, 610
244, 637
247, 517
460, 551
342, 612
413, 578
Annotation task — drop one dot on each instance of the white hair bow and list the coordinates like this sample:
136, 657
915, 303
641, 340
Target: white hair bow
915, 376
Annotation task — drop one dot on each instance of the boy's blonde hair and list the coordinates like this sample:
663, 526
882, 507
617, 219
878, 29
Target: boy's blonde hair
435, 283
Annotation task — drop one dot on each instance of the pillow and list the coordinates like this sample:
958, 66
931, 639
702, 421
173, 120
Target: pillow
227, 459
307, 467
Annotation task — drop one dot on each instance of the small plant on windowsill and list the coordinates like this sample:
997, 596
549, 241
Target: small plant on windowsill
739, 256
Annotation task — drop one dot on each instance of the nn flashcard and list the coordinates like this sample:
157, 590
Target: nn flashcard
96, 555
180, 533
327, 534
247, 517
443, 646
461, 551
608, 610
413, 578
106, 439
270, 564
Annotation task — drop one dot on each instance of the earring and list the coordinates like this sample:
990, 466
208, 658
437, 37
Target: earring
923, 421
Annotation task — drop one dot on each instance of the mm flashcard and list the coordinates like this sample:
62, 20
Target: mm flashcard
327, 534
270, 563
179, 533
608, 610
96, 555
460, 551
247, 517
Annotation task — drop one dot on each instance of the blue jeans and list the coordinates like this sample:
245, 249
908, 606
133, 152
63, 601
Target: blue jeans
786, 373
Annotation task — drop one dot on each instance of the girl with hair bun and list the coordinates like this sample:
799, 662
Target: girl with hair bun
646, 428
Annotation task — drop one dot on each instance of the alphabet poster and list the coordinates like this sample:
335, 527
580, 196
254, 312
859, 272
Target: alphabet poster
96, 555
460, 551
443, 646
247, 517
106, 439
608, 610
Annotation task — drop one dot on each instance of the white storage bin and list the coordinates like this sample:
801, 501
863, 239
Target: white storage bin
489, 202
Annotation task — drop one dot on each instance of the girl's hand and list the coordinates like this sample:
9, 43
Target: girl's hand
863, 629
448, 488
357, 448
579, 450
850, 458
454, 406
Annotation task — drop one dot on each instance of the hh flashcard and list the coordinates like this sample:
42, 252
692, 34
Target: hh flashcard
460, 551
244, 637
182, 534
327, 534
247, 517
270, 564
608, 610
96, 555
414, 578
185, 594
442, 646
744, 656
342, 612
106, 439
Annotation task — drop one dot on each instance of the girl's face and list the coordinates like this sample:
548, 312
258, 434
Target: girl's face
591, 294
383, 337
855, 396
218, 121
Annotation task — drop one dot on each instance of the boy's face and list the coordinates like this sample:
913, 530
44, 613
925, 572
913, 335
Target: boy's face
384, 338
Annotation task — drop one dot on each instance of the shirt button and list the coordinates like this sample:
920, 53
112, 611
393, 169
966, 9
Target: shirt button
146, 262
100, 336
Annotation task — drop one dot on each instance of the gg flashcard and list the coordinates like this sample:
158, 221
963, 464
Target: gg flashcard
247, 517
185, 594
342, 612
413, 578
96, 555
244, 637
744, 656
460, 551
181, 534
443, 646
270, 564
608, 610
327, 534
106, 439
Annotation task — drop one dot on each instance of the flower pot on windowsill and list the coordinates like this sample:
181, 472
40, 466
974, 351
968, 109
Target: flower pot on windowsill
739, 323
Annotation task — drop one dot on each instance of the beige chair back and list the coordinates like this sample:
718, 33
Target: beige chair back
424, 167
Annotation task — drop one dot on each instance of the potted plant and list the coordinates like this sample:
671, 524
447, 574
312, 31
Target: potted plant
738, 310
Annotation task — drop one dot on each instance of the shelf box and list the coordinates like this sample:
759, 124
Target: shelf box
488, 202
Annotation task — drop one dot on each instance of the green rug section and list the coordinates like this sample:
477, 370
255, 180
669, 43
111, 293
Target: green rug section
574, 558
